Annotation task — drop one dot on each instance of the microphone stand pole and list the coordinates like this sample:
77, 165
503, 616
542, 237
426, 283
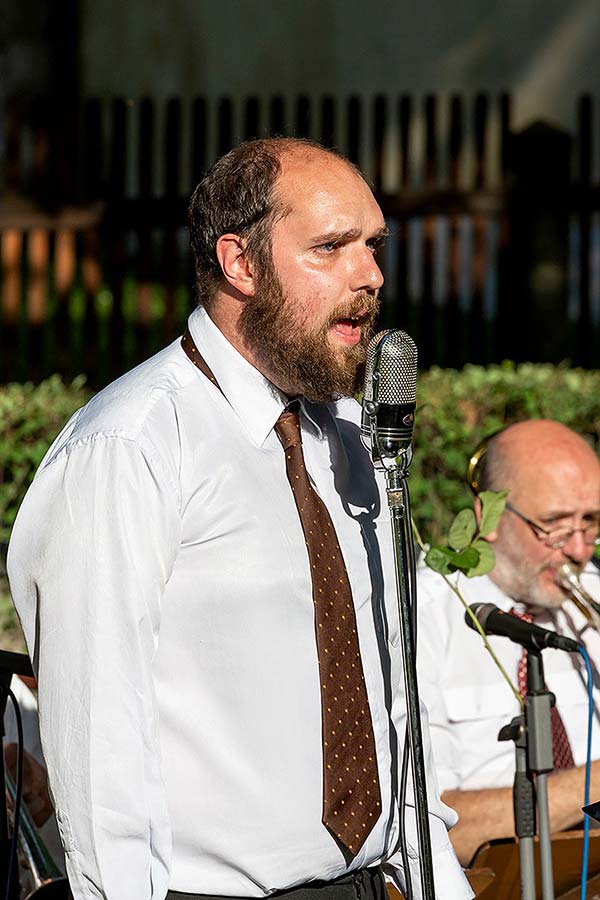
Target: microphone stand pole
538, 707
404, 558
532, 734
523, 805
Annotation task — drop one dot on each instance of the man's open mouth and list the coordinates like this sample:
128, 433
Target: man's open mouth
352, 321
349, 327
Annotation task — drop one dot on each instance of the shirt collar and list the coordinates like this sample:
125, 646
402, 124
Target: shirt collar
255, 400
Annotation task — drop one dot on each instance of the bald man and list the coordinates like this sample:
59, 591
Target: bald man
551, 517
206, 581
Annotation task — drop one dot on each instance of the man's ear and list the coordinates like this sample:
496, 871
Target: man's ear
231, 253
493, 535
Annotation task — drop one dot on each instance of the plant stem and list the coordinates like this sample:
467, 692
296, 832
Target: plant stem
454, 588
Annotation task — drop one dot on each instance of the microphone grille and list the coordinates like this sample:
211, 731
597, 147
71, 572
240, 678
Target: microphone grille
394, 355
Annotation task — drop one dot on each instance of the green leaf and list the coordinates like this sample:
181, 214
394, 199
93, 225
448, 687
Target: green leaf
487, 559
438, 560
492, 507
445, 560
462, 530
465, 559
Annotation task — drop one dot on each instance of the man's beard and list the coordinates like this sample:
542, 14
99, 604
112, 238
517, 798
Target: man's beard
302, 361
522, 581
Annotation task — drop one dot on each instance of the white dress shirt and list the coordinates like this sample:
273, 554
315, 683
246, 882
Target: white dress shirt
467, 698
160, 571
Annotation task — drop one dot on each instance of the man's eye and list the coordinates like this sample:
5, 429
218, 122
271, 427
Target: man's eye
555, 527
328, 247
591, 520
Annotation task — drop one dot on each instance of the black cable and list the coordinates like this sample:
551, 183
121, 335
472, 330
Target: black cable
401, 814
412, 578
18, 792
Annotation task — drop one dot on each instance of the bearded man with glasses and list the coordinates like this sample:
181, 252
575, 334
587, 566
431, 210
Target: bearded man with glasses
552, 518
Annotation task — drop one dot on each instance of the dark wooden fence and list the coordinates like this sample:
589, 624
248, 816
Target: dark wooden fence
495, 242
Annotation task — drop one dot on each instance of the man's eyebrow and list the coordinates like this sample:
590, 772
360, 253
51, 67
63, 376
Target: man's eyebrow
554, 515
381, 234
349, 234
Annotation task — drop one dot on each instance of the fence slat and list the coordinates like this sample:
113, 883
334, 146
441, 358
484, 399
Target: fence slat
353, 129
224, 126
406, 317
169, 267
200, 137
454, 349
477, 339
380, 127
277, 116
428, 319
303, 117
114, 230
583, 218
251, 127
327, 130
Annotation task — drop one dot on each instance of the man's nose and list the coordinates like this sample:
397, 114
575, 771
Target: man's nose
576, 548
366, 275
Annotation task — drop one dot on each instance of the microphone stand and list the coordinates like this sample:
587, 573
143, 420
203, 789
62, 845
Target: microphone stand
404, 559
532, 734
386, 429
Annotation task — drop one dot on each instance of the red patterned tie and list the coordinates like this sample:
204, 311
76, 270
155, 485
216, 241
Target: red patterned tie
351, 793
561, 748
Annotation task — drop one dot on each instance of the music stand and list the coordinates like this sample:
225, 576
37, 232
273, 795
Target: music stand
502, 857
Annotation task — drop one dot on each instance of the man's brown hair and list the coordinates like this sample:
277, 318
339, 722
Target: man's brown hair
237, 196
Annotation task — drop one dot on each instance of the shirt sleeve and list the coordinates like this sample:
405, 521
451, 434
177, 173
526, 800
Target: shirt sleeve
91, 552
431, 655
449, 879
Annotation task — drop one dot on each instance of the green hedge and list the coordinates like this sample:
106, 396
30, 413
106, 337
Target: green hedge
455, 411
30, 418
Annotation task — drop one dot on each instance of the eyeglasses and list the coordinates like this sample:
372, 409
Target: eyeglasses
558, 537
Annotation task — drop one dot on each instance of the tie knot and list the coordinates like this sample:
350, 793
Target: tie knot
525, 616
288, 429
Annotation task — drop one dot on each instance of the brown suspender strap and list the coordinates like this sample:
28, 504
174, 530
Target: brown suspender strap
187, 342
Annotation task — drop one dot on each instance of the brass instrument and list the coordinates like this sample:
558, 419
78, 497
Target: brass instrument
475, 463
567, 578
40, 876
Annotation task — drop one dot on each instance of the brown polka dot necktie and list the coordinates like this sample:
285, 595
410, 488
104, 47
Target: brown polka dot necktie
351, 793
561, 748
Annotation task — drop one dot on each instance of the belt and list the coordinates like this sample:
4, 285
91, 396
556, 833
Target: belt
364, 884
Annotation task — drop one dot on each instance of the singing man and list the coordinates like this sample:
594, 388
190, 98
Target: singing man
204, 573
552, 517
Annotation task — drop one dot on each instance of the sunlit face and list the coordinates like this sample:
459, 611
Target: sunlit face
562, 491
313, 309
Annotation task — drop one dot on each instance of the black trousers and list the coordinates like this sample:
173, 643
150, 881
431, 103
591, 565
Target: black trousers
365, 884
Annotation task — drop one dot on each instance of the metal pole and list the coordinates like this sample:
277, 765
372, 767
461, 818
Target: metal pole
523, 805
545, 841
538, 704
396, 491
